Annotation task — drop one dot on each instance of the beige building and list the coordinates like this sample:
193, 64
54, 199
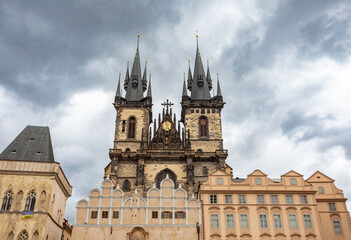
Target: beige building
110, 213
33, 188
261, 208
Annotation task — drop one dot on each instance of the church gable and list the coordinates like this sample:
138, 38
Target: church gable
292, 173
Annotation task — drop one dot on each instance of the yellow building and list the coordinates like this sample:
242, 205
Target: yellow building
261, 208
33, 188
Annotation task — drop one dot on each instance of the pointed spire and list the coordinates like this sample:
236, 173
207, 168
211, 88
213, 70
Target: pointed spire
185, 93
126, 80
118, 91
200, 89
190, 78
144, 81
135, 90
149, 92
219, 92
208, 77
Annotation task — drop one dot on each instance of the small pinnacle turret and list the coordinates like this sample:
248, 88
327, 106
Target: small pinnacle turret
219, 92
208, 77
149, 92
144, 81
118, 90
185, 93
190, 78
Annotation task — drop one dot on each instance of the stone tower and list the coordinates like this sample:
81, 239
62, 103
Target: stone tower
146, 151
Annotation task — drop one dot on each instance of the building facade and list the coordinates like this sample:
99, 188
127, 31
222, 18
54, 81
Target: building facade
33, 188
262, 208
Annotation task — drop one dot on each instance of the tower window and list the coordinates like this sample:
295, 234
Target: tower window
203, 127
7, 201
126, 185
30, 201
131, 130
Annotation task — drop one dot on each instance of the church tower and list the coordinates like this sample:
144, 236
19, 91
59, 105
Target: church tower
201, 113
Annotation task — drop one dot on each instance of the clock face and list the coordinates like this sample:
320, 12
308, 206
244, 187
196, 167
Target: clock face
166, 125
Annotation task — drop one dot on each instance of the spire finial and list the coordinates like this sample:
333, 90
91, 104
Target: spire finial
138, 39
197, 39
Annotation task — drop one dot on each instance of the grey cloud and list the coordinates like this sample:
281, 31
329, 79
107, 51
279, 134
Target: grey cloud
47, 44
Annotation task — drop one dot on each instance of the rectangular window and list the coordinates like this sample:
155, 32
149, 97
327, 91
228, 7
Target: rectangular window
337, 227
154, 214
214, 221
321, 190
332, 206
289, 199
292, 221
307, 220
274, 199
258, 181
277, 221
115, 214
167, 214
263, 221
260, 199
303, 199
293, 181
230, 220
94, 214
244, 221
180, 214
213, 198
228, 199
242, 199
219, 181
104, 214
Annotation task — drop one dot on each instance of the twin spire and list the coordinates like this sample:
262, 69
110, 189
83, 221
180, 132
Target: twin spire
135, 84
200, 84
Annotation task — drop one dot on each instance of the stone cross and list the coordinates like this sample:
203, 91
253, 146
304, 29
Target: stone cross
167, 104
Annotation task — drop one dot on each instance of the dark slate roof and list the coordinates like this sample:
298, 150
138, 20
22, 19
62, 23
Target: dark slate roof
238, 180
32, 144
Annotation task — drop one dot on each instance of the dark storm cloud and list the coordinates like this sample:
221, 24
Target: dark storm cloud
47, 44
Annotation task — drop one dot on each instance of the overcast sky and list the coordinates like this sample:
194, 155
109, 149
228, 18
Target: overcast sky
284, 67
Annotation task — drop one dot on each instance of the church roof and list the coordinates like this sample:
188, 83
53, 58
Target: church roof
32, 144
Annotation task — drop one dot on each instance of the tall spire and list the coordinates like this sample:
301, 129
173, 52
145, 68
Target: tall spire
185, 93
200, 89
149, 92
190, 78
118, 91
144, 81
208, 76
219, 92
135, 87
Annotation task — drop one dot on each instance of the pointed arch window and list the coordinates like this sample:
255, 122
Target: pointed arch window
131, 130
203, 127
30, 201
23, 235
126, 185
7, 201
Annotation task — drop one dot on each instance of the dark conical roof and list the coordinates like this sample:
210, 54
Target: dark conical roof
32, 144
149, 92
200, 89
135, 86
185, 93
126, 80
118, 90
208, 77
219, 92
144, 81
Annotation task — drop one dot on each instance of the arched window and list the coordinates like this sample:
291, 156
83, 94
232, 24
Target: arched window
126, 185
36, 235
23, 235
7, 201
10, 236
131, 130
204, 171
203, 127
30, 201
